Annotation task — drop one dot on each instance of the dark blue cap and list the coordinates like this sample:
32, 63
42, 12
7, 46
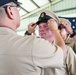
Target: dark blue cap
43, 18
2, 2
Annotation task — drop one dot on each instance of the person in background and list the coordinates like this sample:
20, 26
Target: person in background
26, 55
69, 40
69, 28
69, 67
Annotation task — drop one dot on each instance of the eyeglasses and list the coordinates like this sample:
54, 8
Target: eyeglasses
18, 7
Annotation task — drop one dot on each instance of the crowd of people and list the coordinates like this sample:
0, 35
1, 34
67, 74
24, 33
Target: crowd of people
46, 54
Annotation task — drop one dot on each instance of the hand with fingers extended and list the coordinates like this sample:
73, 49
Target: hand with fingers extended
52, 24
31, 27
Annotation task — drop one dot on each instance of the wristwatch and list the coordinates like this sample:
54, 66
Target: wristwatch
74, 33
27, 33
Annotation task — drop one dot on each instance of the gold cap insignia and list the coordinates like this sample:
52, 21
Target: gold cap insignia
42, 14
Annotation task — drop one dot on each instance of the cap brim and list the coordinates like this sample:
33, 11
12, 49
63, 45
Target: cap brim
38, 22
18, 3
43, 19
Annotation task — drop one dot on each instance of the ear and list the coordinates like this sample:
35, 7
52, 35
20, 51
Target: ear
9, 12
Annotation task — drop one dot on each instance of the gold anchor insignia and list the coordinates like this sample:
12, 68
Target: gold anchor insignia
42, 14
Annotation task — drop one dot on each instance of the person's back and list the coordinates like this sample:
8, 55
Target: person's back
22, 55
15, 54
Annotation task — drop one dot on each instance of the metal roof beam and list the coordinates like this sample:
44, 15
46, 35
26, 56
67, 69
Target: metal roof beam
43, 7
24, 9
73, 8
50, 1
35, 3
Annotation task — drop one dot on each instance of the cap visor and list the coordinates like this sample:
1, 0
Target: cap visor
38, 22
18, 3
